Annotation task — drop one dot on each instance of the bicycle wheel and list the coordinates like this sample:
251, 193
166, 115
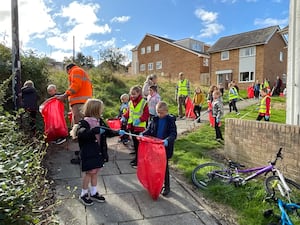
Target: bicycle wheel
207, 173
273, 185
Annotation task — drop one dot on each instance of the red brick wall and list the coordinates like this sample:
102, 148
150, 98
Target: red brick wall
174, 60
254, 143
267, 62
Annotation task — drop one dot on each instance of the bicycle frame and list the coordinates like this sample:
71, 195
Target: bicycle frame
285, 219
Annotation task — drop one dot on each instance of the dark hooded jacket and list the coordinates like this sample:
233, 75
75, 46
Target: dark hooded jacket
29, 98
169, 133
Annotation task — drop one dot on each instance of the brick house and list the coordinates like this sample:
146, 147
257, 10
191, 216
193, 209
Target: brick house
166, 57
249, 56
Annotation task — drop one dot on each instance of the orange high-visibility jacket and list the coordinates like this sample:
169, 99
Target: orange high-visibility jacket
80, 86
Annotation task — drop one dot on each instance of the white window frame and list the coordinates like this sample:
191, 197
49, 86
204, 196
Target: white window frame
148, 50
250, 74
143, 51
205, 62
142, 67
156, 47
281, 56
158, 65
225, 55
247, 52
150, 66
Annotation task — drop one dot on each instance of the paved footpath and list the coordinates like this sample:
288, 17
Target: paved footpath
127, 202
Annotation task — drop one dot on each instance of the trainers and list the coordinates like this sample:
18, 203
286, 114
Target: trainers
86, 200
238, 113
134, 166
75, 161
98, 198
60, 141
165, 191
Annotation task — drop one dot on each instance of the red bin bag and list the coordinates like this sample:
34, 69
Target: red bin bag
189, 108
152, 161
114, 124
55, 125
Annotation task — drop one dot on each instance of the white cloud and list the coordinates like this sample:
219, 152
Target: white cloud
211, 29
209, 21
205, 16
270, 22
121, 19
81, 27
31, 22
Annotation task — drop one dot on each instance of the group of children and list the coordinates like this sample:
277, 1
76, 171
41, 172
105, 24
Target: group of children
134, 115
139, 116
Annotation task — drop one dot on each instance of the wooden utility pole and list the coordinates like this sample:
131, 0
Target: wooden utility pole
16, 63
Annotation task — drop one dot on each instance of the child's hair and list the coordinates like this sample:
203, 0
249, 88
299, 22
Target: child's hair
153, 87
217, 92
198, 88
51, 86
124, 97
162, 105
136, 88
93, 108
28, 83
264, 90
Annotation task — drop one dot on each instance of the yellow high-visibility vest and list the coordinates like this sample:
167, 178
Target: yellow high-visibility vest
136, 112
263, 107
183, 88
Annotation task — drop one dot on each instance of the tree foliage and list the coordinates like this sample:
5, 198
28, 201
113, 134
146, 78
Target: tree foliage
112, 58
81, 60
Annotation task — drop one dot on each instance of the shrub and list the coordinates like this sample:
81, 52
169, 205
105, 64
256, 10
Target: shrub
23, 184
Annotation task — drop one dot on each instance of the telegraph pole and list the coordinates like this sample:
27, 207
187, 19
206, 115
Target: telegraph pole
16, 63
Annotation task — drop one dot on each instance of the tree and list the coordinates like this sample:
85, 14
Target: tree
81, 60
112, 58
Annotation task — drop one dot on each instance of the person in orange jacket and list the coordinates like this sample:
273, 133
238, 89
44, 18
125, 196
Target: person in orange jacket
79, 91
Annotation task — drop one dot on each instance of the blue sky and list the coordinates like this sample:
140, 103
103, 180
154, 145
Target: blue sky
48, 26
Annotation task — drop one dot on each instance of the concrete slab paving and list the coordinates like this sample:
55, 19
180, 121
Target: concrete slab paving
127, 202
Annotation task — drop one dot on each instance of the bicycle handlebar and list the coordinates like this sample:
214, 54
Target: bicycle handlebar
278, 155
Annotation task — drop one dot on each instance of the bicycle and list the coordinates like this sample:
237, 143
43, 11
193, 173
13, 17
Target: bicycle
284, 209
208, 173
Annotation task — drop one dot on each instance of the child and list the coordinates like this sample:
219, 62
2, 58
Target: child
198, 100
163, 126
233, 97
265, 106
153, 98
29, 103
209, 103
91, 156
217, 113
51, 90
123, 108
136, 115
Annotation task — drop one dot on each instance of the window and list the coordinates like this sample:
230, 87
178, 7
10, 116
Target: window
156, 47
246, 52
142, 67
159, 65
142, 51
150, 66
225, 55
246, 76
281, 56
205, 61
148, 49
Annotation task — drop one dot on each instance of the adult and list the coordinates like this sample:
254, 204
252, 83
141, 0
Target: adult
277, 87
79, 91
29, 103
182, 92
